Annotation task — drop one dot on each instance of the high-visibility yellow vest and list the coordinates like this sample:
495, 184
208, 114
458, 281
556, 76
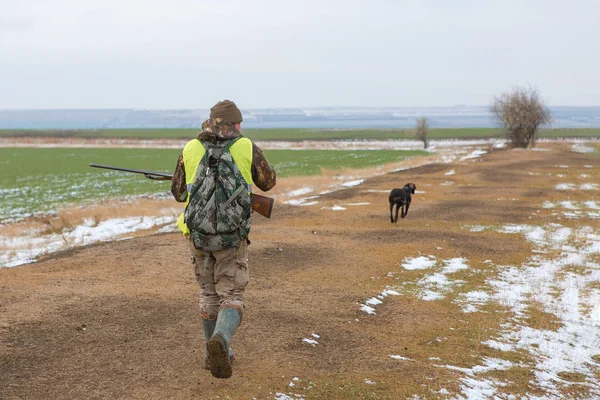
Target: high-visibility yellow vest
241, 151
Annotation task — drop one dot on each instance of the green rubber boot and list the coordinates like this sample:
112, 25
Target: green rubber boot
209, 327
218, 346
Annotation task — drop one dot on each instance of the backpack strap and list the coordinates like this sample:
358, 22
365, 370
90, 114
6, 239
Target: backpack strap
231, 142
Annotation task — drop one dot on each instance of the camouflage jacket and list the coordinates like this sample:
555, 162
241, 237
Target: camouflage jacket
216, 130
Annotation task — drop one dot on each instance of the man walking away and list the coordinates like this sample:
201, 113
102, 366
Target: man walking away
214, 177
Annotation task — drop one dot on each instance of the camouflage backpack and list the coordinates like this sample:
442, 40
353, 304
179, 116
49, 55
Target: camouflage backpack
218, 213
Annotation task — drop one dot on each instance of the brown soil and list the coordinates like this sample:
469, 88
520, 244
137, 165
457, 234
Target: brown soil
120, 320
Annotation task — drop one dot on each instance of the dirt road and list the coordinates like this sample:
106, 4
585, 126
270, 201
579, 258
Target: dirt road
120, 320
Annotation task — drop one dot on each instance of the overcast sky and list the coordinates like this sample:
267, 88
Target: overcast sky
193, 53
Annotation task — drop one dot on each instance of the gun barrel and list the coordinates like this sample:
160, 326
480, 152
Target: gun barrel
136, 171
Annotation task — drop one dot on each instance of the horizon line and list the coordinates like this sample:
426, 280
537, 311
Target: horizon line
271, 108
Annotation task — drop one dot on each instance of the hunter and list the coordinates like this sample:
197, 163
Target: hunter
214, 177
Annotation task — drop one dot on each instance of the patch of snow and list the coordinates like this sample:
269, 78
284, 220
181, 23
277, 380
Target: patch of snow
418, 263
367, 309
565, 186
475, 228
299, 192
26, 249
169, 228
373, 301
283, 396
566, 294
580, 148
397, 357
334, 208
310, 341
473, 154
454, 264
352, 183
592, 205
369, 305
471, 300
300, 202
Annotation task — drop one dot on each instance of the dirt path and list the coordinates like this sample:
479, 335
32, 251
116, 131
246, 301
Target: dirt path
120, 319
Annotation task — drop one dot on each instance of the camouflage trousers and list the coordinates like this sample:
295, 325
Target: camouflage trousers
222, 276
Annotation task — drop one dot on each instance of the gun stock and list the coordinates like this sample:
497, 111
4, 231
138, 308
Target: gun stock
261, 204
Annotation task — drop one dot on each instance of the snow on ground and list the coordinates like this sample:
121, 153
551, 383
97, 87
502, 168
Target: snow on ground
283, 396
300, 192
352, 183
565, 186
474, 154
304, 201
295, 385
579, 147
359, 144
333, 208
356, 144
573, 209
369, 304
420, 262
572, 186
312, 342
431, 287
26, 249
397, 357
561, 278
566, 286
589, 186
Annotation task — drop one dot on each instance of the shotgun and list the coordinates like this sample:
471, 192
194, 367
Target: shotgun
261, 204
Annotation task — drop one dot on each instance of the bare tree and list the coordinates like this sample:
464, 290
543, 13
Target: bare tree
521, 112
422, 131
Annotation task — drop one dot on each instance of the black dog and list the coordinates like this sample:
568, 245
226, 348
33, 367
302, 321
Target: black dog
401, 198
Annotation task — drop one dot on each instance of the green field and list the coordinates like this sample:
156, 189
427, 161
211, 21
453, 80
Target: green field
35, 179
293, 134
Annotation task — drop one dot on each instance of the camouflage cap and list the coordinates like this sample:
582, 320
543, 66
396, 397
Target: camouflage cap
227, 110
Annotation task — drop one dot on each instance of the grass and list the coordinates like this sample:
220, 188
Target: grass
35, 179
295, 134
311, 162
39, 179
